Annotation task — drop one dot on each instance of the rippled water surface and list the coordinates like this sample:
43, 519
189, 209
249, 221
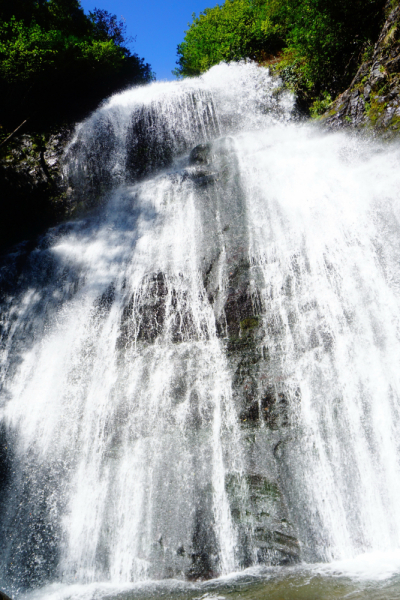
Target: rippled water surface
374, 576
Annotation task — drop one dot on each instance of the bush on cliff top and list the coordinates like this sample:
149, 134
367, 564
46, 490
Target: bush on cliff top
319, 43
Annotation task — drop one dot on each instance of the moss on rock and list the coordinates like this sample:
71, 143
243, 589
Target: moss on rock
372, 102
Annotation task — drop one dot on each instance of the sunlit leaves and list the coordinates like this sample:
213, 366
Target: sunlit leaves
51, 53
320, 42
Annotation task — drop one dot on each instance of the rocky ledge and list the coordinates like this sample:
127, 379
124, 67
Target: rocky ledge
372, 102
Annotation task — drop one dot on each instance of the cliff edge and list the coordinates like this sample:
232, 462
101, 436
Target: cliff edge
372, 101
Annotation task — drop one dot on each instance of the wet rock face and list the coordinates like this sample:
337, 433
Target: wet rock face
200, 155
266, 534
263, 411
160, 309
154, 140
34, 192
262, 524
203, 558
5, 464
151, 313
257, 498
45, 179
90, 178
149, 143
373, 99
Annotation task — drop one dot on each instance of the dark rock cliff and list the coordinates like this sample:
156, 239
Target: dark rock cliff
34, 194
372, 102
259, 390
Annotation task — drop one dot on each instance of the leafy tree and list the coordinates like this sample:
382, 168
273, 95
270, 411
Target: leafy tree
227, 32
326, 40
106, 26
319, 42
57, 63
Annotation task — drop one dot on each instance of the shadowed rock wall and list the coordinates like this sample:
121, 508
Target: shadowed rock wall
372, 102
33, 193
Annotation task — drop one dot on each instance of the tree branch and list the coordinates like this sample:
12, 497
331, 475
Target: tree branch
13, 133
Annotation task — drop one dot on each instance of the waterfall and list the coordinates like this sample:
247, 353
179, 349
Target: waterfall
202, 374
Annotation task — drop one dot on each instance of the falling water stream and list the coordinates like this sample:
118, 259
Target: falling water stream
200, 382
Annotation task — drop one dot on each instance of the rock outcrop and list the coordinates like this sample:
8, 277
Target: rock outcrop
34, 194
372, 102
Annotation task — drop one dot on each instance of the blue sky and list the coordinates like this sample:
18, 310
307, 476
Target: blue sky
158, 26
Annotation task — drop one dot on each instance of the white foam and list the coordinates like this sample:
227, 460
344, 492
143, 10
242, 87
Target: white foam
374, 566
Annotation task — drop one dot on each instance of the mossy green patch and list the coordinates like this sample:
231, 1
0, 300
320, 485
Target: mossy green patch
375, 110
391, 35
383, 90
320, 106
269, 489
394, 124
260, 487
249, 323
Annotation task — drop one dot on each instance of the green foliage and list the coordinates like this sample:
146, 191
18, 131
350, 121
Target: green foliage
237, 29
367, 53
249, 323
57, 63
319, 42
107, 27
328, 37
320, 105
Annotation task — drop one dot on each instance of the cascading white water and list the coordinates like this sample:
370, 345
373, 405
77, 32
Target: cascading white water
326, 251
124, 375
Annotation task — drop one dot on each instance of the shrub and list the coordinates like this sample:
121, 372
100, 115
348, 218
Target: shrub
320, 42
57, 63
